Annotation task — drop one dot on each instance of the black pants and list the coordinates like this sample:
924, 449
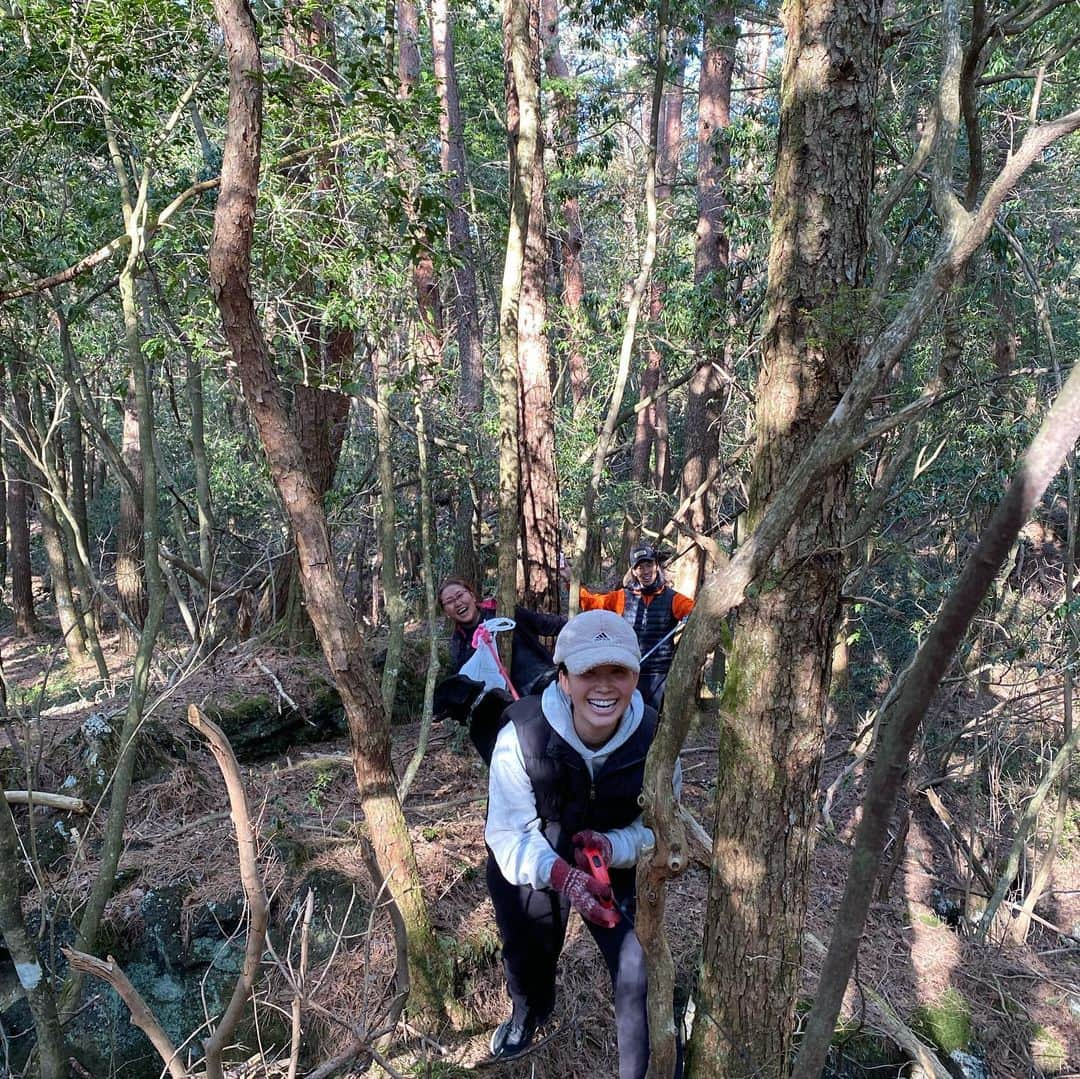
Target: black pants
532, 924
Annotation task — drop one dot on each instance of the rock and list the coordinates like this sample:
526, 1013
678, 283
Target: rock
177, 964
260, 727
340, 910
967, 1065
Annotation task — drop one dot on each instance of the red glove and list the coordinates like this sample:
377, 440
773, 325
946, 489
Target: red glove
598, 842
591, 899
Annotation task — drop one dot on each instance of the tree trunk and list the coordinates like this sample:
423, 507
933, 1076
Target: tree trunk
3, 496
637, 296
388, 532
649, 462
230, 276
524, 134
76, 454
907, 704
571, 236
778, 671
130, 554
51, 535
706, 398
16, 471
464, 300
37, 988
142, 407
536, 420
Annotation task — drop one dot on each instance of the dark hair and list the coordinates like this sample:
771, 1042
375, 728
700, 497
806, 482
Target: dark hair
446, 582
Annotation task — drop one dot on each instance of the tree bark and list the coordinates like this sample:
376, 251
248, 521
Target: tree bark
907, 703
130, 552
706, 399
523, 131
36, 985
230, 276
571, 236
778, 670
67, 613
539, 496
464, 301
16, 471
649, 457
633, 311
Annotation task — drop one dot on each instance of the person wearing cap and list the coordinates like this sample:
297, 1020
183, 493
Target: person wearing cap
566, 774
654, 609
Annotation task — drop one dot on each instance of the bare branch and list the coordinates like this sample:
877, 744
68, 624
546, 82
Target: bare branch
141, 1016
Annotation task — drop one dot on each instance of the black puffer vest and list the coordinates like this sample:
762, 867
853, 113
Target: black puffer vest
651, 621
566, 799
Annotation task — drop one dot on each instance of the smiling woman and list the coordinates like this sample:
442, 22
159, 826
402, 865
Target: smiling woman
564, 829
530, 663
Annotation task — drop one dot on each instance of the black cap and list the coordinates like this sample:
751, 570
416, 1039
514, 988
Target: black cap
644, 553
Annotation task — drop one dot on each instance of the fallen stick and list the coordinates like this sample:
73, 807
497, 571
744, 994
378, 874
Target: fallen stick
41, 798
881, 1014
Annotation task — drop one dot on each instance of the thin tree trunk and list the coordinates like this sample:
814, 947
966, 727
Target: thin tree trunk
637, 296
112, 844
36, 985
903, 715
388, 533
648, 459
706, 398
16, 471
130, 552
464, 300
77, 492
571, 237
51, 534
230, 276
430, 604
3, 494
524, 133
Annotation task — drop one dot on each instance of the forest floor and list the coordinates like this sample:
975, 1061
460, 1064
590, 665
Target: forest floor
1022, 1001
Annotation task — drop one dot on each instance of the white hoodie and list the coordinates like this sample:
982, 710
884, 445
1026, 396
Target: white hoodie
513, 825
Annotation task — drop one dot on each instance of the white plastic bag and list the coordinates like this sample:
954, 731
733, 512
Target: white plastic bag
483, 665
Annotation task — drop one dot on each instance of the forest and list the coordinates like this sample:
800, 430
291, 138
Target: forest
306, 307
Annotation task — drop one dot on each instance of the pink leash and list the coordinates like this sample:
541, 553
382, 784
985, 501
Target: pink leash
482, 635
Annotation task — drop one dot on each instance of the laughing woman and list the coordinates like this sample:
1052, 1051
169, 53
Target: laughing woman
564, 829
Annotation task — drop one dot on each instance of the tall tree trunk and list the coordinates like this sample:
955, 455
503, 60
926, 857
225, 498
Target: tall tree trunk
76, 452
51, 534
778, 671
571, 236
16, 472
230, 276
425, 280
464, 300
3, 495
524, 133
112, 844
388, 532
37, 988
633, 310
130, 552
649, 468
318, 414
536, 421
705, 400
